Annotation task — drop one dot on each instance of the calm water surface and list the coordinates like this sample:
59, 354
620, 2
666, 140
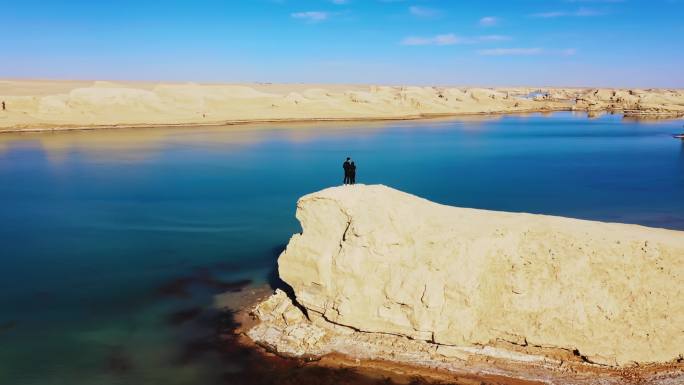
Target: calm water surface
112, 243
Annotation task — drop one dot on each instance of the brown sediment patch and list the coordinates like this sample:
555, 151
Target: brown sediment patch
223, 286
178, 288
182, 287
655, 374
117, 361
400, 372
183, 316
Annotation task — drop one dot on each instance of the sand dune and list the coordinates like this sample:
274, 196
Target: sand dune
39, 105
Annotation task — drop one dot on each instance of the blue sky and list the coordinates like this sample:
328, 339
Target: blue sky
630, 43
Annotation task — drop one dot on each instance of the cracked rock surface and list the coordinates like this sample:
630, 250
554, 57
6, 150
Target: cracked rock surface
376, 264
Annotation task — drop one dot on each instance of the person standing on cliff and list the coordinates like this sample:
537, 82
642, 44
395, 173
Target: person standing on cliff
347, 169
352, 173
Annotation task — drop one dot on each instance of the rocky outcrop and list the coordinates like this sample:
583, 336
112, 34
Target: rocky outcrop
655, 103
380, 262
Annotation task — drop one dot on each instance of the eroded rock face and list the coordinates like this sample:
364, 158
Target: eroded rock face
375, 259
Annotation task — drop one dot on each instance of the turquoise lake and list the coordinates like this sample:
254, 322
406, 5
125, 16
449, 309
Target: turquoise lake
114, 242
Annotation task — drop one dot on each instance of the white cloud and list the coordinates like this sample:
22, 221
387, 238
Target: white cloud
452, 39
587, 12
527, 51
547, 15
446, 39
582, 12
510, 51
493, 38
489, 21
311, 16
424, 12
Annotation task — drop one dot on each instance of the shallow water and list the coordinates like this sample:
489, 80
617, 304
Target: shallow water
113, 242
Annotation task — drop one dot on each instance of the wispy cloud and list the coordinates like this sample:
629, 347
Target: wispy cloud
493, 38
527, 52
510, 51
489, 21
568, 52
424, 12
582, 12
548, 15
452, 39
311, 16
446, 39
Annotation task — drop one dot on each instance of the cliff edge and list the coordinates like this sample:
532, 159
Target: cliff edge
377, 263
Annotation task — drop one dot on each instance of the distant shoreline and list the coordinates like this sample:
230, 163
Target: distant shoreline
70, 128
63, 128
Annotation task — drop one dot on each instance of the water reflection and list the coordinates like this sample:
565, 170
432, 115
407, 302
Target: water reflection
139, 144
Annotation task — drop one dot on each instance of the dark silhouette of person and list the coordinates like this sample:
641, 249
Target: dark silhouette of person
352, 173
3, 105
347, 169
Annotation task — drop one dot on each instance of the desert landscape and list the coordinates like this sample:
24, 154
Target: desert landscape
59, 105
342, 192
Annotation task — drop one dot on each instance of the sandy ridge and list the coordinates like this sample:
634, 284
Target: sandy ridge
59, 105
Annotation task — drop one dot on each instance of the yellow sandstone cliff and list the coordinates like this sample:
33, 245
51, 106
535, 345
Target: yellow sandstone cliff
374, 264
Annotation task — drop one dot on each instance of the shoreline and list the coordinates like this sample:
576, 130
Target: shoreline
472, 368
247, 122
374, 369
422, 117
